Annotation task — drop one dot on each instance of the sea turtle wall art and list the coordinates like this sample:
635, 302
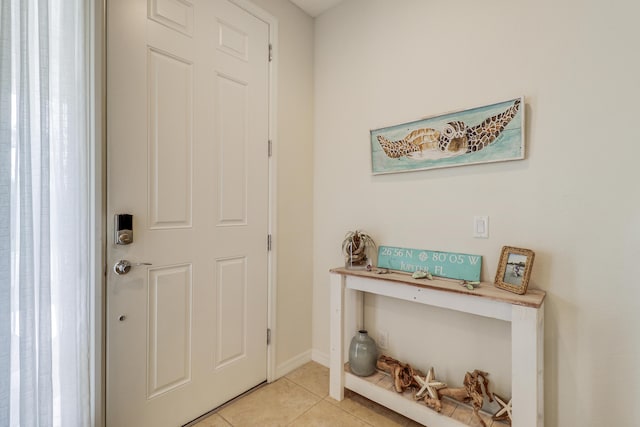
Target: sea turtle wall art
492, 133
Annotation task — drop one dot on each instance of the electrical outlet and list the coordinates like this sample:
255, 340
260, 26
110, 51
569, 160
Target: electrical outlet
383, 339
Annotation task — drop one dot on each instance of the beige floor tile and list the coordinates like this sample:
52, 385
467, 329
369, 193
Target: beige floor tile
325, 414
312, 376
301, 399
369, 411
214, 420
276, 404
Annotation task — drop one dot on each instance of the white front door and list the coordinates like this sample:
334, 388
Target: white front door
187, 103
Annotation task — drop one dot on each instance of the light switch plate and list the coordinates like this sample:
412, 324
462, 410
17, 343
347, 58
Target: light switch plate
481, 227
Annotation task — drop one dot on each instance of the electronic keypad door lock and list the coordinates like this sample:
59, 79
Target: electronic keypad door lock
123, 226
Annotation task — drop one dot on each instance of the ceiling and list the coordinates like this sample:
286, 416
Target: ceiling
315, 7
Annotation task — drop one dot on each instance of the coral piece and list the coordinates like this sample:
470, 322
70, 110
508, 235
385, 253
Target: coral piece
419, 274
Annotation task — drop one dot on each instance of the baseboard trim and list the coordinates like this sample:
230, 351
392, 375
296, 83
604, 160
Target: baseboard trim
320, 357
293, 364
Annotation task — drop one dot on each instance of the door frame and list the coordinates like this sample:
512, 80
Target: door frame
97, 69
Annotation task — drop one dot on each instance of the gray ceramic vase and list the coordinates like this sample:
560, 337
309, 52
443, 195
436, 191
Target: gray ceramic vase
363, 354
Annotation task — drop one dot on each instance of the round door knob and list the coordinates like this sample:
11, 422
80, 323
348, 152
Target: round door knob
124, 266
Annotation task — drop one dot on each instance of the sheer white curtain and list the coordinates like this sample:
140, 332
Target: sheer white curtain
44, 236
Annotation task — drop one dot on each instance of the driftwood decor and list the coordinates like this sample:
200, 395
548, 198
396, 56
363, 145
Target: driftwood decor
475, 386
471, 392
402, 373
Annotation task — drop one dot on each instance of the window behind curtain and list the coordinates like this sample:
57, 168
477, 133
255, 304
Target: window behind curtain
44, 235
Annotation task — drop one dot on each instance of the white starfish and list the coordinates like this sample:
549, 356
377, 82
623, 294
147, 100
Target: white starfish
432, 385
423, 384
429, 384
505, 408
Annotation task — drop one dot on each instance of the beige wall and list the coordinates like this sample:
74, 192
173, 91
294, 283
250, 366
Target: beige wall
294, 151
574, 200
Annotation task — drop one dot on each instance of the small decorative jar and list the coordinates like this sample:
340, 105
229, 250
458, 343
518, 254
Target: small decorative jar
363, 354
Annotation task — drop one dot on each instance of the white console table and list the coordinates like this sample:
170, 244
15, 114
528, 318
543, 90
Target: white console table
525, 312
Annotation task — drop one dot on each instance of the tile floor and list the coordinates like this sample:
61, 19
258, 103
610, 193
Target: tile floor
301, 398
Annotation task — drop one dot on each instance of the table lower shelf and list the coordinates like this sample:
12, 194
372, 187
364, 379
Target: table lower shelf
379, 388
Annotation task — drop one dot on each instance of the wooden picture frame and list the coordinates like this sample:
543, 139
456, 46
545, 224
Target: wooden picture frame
514, 269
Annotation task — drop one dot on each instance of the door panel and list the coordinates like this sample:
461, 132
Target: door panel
231, 289
175, 14
187, 156
169, 343
170, 123
232, 167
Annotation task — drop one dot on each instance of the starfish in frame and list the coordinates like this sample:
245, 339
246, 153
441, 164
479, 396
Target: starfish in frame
429, 385
504, 413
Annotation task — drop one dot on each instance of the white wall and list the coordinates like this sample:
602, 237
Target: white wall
379, 62
294, 151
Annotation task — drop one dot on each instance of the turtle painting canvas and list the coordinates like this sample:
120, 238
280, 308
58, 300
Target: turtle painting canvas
492, 133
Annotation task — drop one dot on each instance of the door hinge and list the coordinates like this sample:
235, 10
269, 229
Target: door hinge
270, 52
268, 242
270, 148
268, 336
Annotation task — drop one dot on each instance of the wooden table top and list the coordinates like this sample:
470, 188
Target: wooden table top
533, 298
